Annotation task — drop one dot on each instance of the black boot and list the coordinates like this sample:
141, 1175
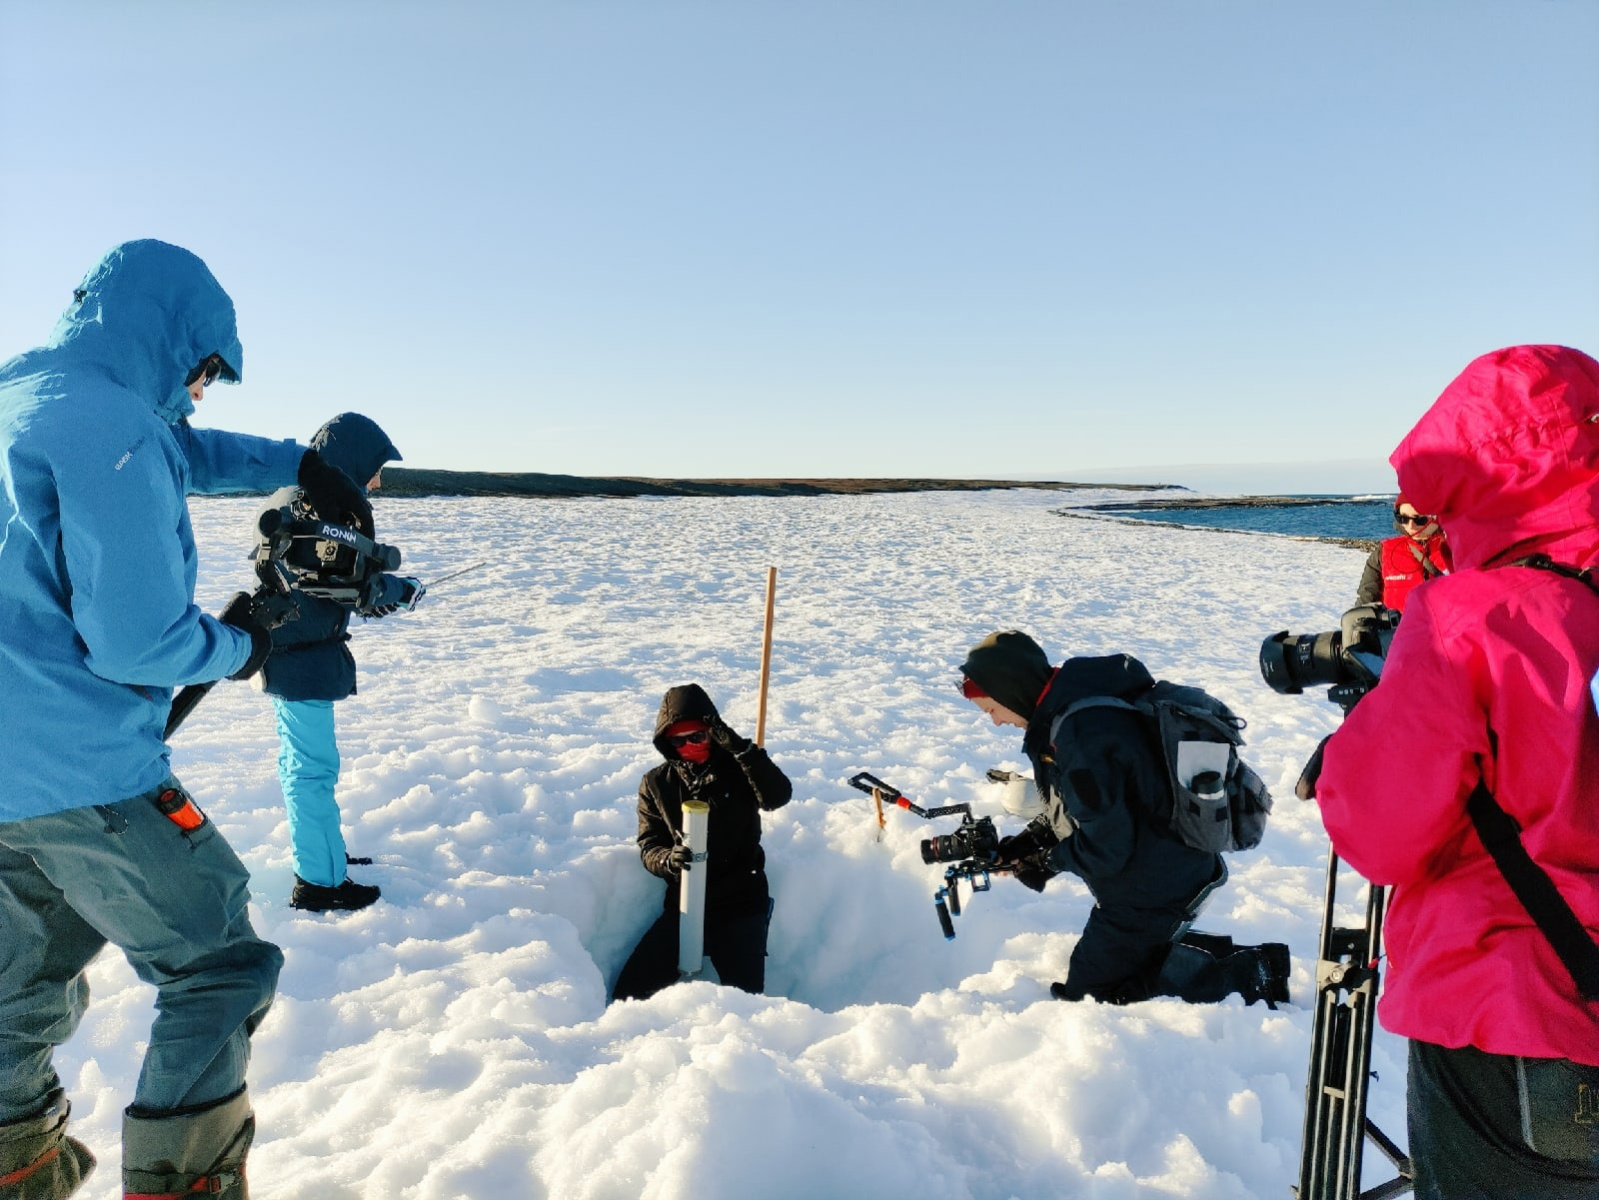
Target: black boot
347, 897
1260, 973
38, 1161
200, 1151
1194, 974
1217, 945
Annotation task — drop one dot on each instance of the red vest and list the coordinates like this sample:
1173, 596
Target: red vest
1402, 570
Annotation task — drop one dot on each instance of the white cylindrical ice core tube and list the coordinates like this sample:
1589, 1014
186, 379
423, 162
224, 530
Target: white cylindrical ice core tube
691, 889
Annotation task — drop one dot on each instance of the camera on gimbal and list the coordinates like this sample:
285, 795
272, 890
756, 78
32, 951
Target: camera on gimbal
1347, 660
319, 558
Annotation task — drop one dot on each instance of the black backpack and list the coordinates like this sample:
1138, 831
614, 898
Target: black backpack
1219, 803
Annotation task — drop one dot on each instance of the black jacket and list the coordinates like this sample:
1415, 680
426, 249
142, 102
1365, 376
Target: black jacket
311, 658
738, 786
1107, 789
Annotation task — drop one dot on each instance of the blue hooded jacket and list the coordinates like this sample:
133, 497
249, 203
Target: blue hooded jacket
311, 657
97, 559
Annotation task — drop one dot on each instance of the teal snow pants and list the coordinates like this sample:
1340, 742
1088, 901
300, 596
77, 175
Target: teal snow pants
174, 902
308, 772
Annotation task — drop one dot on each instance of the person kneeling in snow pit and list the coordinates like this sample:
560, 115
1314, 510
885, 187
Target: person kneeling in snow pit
707, 761
1103, 779
310, 668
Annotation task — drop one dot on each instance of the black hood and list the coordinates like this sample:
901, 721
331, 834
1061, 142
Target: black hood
355, 445
1118, 675
685, 703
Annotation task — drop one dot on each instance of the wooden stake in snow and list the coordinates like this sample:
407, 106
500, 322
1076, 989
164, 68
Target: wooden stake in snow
766, 655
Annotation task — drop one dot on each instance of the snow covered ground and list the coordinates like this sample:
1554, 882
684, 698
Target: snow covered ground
454, 1040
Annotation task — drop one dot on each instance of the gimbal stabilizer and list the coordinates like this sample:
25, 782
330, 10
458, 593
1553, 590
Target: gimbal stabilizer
299, 554
975, 841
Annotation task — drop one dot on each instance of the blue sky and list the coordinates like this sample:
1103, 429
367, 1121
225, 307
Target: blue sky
868, 238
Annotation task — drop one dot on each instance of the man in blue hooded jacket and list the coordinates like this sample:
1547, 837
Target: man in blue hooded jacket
98, 842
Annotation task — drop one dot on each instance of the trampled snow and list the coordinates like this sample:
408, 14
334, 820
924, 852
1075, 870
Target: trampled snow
454, 1040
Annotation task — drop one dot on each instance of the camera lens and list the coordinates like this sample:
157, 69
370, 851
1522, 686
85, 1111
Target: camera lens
1290, 664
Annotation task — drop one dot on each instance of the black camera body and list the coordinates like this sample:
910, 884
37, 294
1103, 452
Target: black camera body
1348, 660
972, 839
319, 558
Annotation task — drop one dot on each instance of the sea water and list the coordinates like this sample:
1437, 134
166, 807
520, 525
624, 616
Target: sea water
1329, 516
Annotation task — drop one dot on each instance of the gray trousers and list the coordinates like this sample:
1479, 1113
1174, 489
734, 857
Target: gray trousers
174, 902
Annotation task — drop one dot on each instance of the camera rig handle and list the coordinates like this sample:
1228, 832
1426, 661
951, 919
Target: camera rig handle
947, 899
870, 783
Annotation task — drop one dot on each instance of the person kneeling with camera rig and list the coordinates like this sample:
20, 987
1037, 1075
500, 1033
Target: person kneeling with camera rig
1489, 831
311, 666
1104, 782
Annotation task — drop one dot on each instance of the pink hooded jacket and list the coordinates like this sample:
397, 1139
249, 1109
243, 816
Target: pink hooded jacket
1508, 457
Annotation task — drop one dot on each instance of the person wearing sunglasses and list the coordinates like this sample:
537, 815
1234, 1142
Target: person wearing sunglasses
1400, 564
1487, 825
98, 841
705, 760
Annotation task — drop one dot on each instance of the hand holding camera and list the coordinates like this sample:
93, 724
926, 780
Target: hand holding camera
258, 616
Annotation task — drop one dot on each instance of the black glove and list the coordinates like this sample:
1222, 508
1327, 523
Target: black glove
724, 737
1034, 872
387, 594
241, 614
1018, 846
334, 495
1305, 788
680, 859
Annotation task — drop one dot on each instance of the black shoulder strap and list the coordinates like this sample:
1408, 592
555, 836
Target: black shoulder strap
1542, 562
1500, 834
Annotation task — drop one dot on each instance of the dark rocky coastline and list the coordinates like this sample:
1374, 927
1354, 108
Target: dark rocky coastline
402, 481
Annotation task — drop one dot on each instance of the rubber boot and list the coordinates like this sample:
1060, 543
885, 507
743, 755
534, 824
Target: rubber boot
1193, 973
1218, 945
189, 1152
38, 1161
1261, 972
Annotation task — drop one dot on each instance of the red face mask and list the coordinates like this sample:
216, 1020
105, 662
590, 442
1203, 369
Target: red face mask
696, 752
690, 739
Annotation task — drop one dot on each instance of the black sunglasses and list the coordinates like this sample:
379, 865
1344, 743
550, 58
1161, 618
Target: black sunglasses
1416, 519
210, 370
689, 739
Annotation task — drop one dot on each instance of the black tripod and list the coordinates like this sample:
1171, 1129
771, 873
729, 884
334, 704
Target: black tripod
1336, 1125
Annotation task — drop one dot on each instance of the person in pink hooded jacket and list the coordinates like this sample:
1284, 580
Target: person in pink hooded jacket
1492, 666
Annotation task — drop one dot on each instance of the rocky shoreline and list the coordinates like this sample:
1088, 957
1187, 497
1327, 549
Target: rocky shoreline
402, 481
